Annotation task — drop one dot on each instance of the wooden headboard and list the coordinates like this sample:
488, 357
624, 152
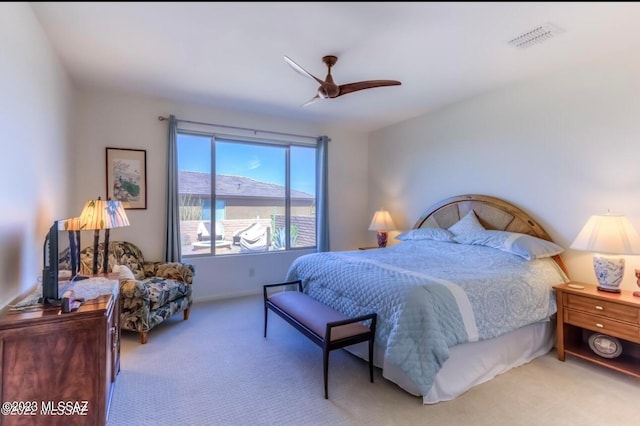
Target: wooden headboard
492, 212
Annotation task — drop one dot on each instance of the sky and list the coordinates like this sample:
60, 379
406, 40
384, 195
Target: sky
259, 162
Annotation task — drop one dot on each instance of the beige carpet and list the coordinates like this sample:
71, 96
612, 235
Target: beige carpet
217, 369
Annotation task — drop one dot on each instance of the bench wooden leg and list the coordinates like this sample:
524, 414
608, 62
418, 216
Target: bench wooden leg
186, 314
265, 320
371, 359
143, 337
325, 361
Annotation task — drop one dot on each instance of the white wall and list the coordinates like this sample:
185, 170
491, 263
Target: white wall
108, 119
35, 109
562, 148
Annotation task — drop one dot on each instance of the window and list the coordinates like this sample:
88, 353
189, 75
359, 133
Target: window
263, 193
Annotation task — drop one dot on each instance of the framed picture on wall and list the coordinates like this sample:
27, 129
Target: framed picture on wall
127, 177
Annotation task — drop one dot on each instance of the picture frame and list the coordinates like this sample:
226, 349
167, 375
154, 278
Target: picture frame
127, 177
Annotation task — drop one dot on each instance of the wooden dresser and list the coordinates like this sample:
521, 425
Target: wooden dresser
59, 368
582, 312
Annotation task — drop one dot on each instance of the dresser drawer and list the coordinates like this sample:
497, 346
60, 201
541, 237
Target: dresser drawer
603, 308
603, 325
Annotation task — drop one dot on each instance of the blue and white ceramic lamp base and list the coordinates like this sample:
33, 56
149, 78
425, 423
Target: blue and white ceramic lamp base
609, 272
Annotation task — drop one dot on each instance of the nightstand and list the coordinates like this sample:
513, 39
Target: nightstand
583, 312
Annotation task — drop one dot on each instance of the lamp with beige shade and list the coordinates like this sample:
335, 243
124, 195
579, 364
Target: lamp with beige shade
382, 223
100, 214
609, 237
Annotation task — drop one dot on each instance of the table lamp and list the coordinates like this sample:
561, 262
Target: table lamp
609, 237
99, 214
382, 223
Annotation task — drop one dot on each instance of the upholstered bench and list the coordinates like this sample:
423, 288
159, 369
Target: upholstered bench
325, 326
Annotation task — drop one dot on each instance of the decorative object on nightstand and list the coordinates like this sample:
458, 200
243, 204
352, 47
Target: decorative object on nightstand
605, 346
99, 214
610, 234
637, 293
382, 223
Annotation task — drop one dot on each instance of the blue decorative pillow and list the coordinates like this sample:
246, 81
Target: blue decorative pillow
523, 245
468, 223
436, 234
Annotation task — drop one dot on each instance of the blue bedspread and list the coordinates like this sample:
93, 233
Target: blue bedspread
431, 295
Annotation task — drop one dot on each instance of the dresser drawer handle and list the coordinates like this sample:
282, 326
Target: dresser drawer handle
599, 325
599, 308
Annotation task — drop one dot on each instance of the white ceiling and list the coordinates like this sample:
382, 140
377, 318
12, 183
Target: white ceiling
230, 55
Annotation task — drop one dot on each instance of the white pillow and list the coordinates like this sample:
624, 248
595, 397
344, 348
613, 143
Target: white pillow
436, 234
124, 272
468, 223
523, 245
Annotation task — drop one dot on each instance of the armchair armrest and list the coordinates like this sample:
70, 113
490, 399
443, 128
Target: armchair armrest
172, 270
134, 289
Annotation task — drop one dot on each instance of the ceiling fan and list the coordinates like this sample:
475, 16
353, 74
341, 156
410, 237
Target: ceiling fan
329, 89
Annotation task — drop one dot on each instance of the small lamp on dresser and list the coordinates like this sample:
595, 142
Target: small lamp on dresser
382, 223
609, 237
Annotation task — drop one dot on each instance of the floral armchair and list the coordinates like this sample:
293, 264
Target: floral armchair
151, 293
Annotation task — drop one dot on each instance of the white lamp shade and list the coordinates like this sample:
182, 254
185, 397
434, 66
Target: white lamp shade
382, 221
608, 234
100, 214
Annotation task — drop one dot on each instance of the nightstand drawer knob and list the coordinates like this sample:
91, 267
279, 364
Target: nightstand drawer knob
599, 308
599, 325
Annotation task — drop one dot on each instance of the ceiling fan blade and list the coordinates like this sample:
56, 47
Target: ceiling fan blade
369, 84
312, 100
302, 71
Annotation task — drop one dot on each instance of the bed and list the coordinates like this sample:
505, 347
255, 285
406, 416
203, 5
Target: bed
466, 295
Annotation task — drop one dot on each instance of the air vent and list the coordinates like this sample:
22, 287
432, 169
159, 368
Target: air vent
535, 36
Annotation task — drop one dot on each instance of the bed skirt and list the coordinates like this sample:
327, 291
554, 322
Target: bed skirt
471, 364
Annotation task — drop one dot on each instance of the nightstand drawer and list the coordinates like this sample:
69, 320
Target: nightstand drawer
603, 325
603, 308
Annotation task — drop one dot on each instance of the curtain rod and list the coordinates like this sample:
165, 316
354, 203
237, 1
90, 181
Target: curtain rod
255, 131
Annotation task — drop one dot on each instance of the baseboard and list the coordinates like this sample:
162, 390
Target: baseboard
235, 295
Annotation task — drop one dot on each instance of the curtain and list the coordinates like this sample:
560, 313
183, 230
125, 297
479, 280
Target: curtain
322, 194
172, 236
